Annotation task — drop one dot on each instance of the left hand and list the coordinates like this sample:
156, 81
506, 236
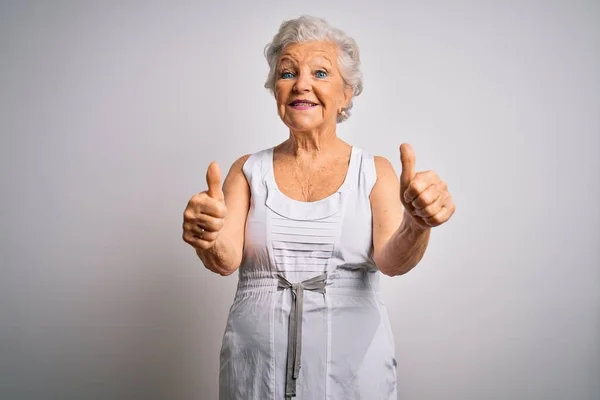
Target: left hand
424, 195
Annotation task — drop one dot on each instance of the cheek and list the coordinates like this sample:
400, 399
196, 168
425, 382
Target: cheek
330, 95
279, 94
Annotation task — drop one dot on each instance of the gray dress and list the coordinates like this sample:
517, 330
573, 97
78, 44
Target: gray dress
308, 321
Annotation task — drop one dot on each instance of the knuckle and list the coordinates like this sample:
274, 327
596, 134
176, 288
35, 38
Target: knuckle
419, 185
427, 174
432, 196
203, 245
432, 221
195, 199
222, 210
200, 199
189, 214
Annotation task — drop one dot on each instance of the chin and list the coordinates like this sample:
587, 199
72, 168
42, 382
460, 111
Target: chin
302, 127
303, 124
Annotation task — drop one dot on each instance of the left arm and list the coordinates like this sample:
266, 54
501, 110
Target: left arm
404, 212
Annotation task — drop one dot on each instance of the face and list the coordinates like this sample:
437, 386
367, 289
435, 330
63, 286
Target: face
309, 88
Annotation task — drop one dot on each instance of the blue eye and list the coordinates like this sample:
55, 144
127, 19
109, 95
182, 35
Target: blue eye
321, 74
286, 75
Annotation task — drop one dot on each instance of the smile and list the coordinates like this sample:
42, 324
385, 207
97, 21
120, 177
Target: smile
302, 104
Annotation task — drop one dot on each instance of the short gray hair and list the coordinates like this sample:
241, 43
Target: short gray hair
308, 29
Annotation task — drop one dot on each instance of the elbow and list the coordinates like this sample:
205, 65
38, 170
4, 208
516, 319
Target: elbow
391, 272
387, 272
226, 272
393, 269
218, 265
222, 270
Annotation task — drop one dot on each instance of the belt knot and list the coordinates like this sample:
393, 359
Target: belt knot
315, 284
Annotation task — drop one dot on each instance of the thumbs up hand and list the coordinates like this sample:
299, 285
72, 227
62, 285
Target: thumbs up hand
424, 195
204, 216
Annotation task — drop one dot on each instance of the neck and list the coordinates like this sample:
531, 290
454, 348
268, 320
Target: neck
314, 141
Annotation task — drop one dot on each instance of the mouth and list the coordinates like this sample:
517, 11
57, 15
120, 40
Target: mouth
302, 104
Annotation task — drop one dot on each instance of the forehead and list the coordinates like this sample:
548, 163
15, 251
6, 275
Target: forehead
311, 51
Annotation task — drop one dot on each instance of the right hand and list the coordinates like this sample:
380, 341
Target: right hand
204, 216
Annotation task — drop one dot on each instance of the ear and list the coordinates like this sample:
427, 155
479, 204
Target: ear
348, 94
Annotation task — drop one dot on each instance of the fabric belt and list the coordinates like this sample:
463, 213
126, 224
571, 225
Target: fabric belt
315, 284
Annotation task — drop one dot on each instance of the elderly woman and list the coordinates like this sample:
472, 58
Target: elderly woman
311, 224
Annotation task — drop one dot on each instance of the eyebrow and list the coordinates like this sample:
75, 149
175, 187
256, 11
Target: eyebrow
287, 57
322, 60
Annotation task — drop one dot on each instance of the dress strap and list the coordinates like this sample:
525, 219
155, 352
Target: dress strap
367, 174
256, 169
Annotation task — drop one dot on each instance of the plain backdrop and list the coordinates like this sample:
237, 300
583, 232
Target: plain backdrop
110, 112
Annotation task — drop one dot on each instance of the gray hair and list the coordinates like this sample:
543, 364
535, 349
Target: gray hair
307, 29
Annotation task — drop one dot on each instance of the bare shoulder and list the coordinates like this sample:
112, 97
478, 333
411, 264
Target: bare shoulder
236, 170
239, 163
387, 181
385, 204
236, 187
384, 168
237, 196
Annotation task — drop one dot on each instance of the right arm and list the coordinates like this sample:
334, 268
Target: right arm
222, 213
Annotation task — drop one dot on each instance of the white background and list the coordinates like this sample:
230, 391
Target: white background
111, 111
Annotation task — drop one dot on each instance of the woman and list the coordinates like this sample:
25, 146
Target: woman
311, 223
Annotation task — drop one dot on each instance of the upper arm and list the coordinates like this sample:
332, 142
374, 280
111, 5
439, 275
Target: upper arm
386, 207
237, 199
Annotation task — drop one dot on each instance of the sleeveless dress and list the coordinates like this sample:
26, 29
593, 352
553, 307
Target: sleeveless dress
308, 321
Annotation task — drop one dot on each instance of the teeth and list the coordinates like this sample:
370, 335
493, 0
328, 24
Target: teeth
303, 104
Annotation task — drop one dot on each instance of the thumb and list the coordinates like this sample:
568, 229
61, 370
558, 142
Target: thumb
213, 179
407, 158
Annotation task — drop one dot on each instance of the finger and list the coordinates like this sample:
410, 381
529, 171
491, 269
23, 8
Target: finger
205, 235
431, 209
442, 216
209, 223
203, 204
205, 221
407, 159
197, 230
194, 230
419, 184
197, 243
427, 197
202, 233
213, 179
191, 239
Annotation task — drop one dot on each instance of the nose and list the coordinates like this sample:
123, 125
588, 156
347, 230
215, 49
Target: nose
303, 83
